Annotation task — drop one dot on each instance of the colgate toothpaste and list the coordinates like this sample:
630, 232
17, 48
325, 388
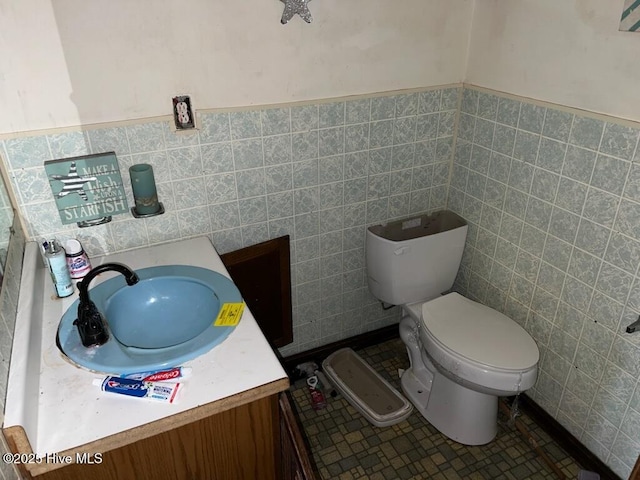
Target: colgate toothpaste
159, 375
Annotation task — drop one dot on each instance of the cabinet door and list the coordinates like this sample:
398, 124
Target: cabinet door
296, 458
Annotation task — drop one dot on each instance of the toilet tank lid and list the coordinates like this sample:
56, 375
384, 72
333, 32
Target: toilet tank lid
479, 333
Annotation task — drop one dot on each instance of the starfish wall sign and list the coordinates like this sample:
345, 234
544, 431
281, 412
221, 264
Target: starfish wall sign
291, 7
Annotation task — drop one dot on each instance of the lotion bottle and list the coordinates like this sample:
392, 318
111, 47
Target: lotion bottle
58, 268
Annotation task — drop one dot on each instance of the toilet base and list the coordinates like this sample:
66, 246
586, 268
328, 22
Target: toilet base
463, 415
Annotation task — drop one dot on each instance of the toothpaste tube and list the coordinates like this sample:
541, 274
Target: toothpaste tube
159, 375
159, 391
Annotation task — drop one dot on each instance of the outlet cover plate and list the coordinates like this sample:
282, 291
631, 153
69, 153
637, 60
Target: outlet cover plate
183, 113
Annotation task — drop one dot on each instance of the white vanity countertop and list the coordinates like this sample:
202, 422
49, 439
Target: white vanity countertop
57, 404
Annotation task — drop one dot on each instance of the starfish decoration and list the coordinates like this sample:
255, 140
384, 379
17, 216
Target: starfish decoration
291, 7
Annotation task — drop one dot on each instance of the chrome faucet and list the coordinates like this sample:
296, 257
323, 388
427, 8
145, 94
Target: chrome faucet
90, 322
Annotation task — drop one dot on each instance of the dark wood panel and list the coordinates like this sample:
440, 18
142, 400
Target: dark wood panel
262, 273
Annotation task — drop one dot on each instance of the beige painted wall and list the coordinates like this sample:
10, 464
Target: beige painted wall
71, 62
568, 52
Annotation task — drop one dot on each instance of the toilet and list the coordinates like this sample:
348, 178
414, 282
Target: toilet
463, 355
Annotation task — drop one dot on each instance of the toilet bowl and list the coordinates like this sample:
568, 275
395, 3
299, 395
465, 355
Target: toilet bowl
464, 356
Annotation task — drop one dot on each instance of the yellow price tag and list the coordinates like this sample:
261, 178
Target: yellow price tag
229, 315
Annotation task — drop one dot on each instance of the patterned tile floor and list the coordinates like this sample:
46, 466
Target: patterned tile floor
346, 446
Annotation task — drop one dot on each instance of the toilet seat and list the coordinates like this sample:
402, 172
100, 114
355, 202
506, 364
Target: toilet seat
475, 346
478, 333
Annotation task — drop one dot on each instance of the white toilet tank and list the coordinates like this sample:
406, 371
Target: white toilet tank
414, 259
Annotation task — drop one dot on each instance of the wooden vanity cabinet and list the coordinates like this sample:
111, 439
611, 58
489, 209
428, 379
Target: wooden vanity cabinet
253, 435
255, 440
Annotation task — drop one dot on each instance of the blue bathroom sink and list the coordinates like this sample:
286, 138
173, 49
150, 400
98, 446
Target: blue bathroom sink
162, 321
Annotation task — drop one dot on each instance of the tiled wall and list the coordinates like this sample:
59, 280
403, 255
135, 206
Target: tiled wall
8, 307
552, 197
318, 173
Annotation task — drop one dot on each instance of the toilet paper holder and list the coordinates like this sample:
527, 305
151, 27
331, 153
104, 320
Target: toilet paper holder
635, 326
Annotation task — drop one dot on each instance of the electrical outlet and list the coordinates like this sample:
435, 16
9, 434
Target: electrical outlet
183, 113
